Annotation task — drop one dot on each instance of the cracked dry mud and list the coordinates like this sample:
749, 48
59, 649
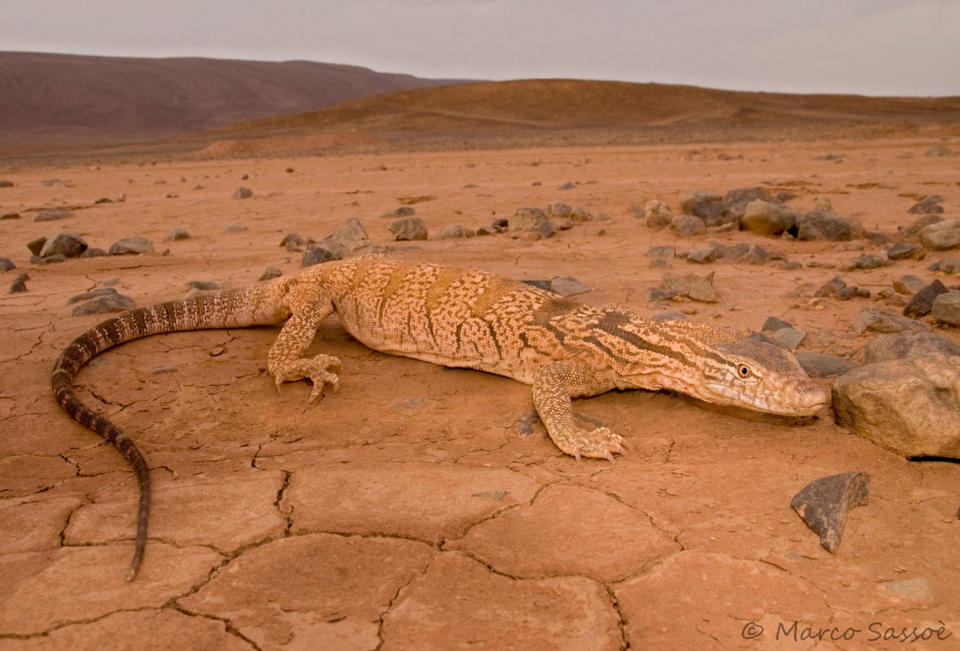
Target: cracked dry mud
405, 511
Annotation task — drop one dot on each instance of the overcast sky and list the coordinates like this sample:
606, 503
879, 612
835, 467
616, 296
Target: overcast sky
874, 47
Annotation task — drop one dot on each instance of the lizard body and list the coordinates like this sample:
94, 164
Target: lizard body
461, 318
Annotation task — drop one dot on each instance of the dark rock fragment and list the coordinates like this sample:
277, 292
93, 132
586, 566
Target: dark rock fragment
19, 284
906, 345
104, 305
409, 228
822, 364
921, 303
823, 504
6, 264
36, 246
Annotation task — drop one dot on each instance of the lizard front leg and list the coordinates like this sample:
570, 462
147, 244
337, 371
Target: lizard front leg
553, 387
286, 361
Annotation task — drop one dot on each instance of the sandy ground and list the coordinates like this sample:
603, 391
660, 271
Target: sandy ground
407, 511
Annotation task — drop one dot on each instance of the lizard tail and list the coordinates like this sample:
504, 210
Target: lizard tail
224, 309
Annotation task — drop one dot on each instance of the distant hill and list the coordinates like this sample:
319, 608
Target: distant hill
49, 97
596, 112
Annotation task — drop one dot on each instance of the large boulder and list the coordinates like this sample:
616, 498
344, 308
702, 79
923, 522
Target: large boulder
906, 345
909, 406
941, 235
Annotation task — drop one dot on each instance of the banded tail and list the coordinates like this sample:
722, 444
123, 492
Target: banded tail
225, 309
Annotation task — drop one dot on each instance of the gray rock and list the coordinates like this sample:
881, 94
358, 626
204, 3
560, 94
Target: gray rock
669, 315
453, 231
941, 235
905, 251
872, 319
822, 203
906, 345
242, 193
315, 254
866, 261
823, 504
271, 272
347, 240
131, 245
36, 246
662, 252
697, 288
402, 211
757, 255
544, 229
52, 215
921, 303
736, 252
704, 255
909, 406
408, 228
772, 324
581, 214
569, 185
65, 244
93, 252
831, 287
104, 304
235, 228
93, 293
178, 233
557, 209
949, 266
6, 264
767, 218
946, 308
527, 219
657, 214
691, 200
928, 205
204, 285
36, 259
908, 284
788, 338
486, 230
688, 225
912, 231
19, 284
821, 225
849, 292
822, 364
567, 286
293, 242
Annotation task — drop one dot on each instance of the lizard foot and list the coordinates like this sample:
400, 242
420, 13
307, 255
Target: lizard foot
318, 370
599, 443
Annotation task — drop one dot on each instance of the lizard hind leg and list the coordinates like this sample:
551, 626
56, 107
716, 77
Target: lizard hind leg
286, 360
553, 387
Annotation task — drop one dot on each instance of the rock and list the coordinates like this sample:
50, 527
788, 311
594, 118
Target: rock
823, 504
315, 254
909, 406
6, 184
177, 234
454, 231
486, 230
772, 324
569, 185
104, 304
788, 338
941, 235
19, 284
907, 345
103, 200
242, 193
917, 589
581, 214
849, 292
946, 308
822, 203
557, 209
737, 200
690, 200
36, 245
541, 284
235, 228
912, 230
906, 250
949, 266
697, 288
756, 255
527, 219
872, 319
657, 214
908, 284
293, 242
662, 252
204, 285
544, 229
65, 244
704, 255
822, 364
93, 252
567, 286
402, 211
6, 264
52, 215
501, 224
928, 205
131, 245
347, 240
10, 215
921, 303
822, 225
271, 272
866, 261
93, 293
688, 225
767, 218
409, 228
831, 287
53, 183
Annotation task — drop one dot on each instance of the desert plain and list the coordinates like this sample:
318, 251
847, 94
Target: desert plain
411, 509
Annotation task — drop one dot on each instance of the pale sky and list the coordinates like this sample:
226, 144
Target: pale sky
872, 47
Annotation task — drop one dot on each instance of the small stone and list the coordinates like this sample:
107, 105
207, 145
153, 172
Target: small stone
409, 228
691, 200
93, 293
557, 209
36, 259
10, 215
569, 185
704, 255
822, 203
822, 364
235, 228
921, 303
527, 219
93, 252
178, 233
103, 200
831, 287
907, 345
949, 266
104, 304
872, 319
501, 224
526, 422
657, 214
315, 254
19, 284
487, 230
866, 261
131, 245
822, 225
697, 288
767, 218
6, 264
772, 324
941, 235
540, 284
349, 239
823, 504
6, 184
912, 231
544, 229
908, 284
669, 315
402, 211
736, 252
242, 193
946, 308
662, 252
567, 286
788, 338
928, 205
688, 225
757, 255
581, 214
293, 242
453, 231
905, 251
271, 272
204, 285
52, 215
65, 244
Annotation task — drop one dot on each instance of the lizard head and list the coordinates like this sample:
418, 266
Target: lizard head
759, 375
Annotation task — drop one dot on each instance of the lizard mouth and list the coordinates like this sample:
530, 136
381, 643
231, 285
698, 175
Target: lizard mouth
804, 401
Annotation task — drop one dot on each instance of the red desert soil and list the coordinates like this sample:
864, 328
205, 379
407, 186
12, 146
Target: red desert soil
406, 510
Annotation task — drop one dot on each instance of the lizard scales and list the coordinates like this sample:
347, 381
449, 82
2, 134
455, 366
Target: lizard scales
462, 318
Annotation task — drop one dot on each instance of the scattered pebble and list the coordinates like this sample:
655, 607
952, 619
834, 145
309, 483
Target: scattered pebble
178, 233
823, 225
656, 214
409, 228
947, 266
93, 293
104, 305
921, 303
454, 231
946, 308
906, 251
930, 204
19, 284
567, 286
235, 228
10, 215
823, 504
271, 272
6, 264
242, 193
688, 225
692, 286
767, 218
908, 284
822, 364
204, 285
772, 324
52, 215
402, 211
131, 245
866, 261
874, 320
789, 338
906, 345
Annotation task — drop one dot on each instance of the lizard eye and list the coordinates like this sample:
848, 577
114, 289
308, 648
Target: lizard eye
743, 371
